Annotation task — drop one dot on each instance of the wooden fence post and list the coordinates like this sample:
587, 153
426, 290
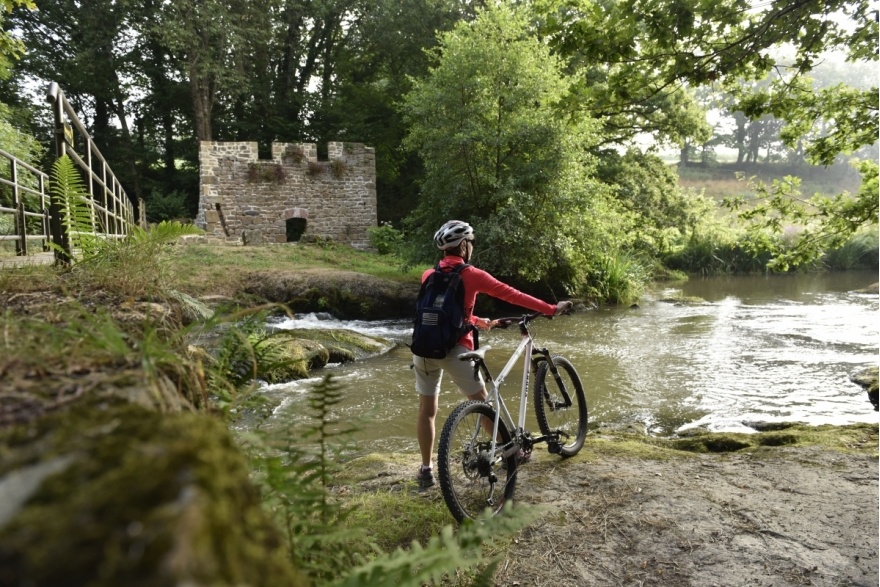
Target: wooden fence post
59, 235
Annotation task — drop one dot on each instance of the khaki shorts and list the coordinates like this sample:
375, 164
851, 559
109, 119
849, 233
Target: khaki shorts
429, 373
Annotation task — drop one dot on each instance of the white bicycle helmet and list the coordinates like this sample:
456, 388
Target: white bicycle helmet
452, 233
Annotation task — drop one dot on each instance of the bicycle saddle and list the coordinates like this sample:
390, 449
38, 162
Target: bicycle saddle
480, 354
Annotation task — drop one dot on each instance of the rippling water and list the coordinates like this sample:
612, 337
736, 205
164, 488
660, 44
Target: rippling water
760, 349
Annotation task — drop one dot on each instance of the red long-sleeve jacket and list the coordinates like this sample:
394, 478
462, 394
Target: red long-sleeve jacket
477, 281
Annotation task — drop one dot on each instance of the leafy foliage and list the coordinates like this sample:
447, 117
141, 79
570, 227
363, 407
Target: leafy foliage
602, 74
109, 264
386, 239
297, 476
10, 47
824, 223
859, 252
171, 206
77, 215
499, 153
617, 279
443, 554
657, 212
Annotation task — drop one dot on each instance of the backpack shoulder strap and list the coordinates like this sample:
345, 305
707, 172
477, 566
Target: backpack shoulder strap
470, 328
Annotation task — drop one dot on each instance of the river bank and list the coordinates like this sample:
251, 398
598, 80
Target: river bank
117, 465
771, 509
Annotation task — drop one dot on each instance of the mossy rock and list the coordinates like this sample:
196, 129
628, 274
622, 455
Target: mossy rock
711, 443
305, 350
849, 438
342, 342
115, 494
346, 295
867, 378
874, 288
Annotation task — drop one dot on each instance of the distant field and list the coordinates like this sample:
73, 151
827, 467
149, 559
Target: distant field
720, 180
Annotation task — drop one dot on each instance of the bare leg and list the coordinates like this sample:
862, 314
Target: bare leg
425, 426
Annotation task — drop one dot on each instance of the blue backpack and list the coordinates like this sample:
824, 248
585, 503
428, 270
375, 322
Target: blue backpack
440, 320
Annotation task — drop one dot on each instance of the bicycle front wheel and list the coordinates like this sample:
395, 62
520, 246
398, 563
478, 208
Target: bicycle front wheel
560, 405
469, 480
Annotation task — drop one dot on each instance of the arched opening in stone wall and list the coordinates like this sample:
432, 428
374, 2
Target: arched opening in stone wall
295, 229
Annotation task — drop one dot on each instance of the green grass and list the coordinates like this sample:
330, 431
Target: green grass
209, 269
860, 251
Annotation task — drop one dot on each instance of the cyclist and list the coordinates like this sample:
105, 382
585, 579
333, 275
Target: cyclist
456, 240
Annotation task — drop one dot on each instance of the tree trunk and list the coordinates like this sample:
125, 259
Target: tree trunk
203, 103
740, 136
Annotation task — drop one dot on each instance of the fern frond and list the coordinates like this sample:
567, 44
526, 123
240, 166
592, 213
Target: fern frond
68, 191
443, 555
163, 233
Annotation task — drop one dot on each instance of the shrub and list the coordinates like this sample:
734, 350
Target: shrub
293, 153
265, 172
337, 168
317, 167
859, 252
617, 279
386, 239
170, 206
714, 252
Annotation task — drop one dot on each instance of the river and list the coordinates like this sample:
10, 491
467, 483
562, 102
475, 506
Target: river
759, 349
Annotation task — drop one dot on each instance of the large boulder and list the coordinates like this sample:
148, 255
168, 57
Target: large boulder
344, 294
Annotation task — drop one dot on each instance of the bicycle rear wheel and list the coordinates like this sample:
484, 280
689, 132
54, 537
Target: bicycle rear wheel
560, 405
469, 481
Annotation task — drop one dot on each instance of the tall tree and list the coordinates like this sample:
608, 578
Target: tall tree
84, 47
209, 43
499, 154
648, 47
383, 53
10, 47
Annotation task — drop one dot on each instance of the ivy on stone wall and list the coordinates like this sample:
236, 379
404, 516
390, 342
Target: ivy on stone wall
266, 172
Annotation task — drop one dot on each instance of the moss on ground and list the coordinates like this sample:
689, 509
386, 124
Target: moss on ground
858, 438
140, 498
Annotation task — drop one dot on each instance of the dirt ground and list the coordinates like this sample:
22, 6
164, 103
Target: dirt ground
791, 516
800, 517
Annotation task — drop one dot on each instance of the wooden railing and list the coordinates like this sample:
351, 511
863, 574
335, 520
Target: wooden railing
112, 211
28, 206
37, 216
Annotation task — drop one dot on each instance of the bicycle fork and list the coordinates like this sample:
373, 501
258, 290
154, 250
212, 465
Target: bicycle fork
554, 371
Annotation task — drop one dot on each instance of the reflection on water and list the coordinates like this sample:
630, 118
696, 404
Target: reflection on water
760, 349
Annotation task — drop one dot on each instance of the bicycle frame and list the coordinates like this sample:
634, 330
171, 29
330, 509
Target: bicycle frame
482, 447
525, 347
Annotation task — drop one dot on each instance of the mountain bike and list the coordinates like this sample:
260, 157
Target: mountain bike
481, 447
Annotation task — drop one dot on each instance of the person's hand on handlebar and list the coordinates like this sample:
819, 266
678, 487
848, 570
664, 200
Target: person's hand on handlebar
483, 323
563, 308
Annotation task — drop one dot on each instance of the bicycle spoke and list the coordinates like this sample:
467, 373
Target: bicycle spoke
560, 405
470, 482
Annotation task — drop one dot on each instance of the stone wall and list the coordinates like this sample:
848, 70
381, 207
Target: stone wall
247, 200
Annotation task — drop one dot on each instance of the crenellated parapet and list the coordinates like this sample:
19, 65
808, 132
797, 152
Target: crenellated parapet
292, 196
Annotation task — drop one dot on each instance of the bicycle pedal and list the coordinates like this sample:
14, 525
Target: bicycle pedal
554, 448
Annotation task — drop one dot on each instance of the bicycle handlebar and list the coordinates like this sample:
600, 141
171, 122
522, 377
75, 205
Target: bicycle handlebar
524, 319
